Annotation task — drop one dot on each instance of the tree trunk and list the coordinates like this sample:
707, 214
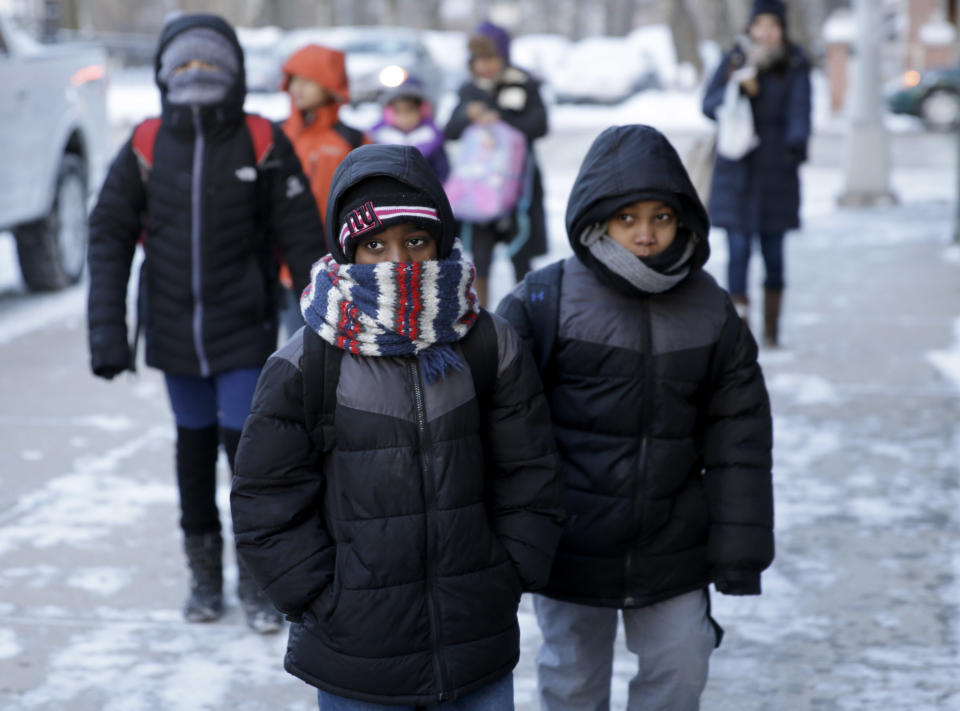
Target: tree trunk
684, 33
618, 18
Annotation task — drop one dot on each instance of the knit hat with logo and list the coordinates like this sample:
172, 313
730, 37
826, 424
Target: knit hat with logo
378, 202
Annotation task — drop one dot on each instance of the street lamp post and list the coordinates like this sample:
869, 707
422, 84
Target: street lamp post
867, 169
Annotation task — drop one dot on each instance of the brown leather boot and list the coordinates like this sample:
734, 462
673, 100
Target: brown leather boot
742, 305
772, 299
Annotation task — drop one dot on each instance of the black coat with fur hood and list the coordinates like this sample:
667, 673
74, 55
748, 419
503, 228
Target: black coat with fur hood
400, 555
668, 485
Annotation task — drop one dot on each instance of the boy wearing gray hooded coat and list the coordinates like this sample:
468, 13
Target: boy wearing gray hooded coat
663, 427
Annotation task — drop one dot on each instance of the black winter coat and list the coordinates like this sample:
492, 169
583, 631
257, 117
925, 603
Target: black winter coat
516, 96
761, 191
400, 555
213, 225
668, 487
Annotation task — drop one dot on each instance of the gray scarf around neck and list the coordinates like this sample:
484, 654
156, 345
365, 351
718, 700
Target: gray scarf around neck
622, 262
204, 87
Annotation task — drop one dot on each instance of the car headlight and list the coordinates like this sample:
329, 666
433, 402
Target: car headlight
911, 78
392, 76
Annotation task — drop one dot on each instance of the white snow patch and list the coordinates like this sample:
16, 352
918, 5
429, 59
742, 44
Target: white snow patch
948, 361
87, 504
952, 254
101, 581
109, 423
804, 389
31, 455
9, 644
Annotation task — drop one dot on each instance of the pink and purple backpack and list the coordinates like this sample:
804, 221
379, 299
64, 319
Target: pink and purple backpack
488, 173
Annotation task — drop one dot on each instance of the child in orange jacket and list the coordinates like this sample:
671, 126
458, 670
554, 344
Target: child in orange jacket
316, 79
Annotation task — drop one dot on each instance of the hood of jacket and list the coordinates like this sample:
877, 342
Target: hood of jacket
326, 66
403, 163
238, 93
623, 161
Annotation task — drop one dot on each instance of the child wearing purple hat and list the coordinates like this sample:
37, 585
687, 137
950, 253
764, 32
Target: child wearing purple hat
499, 91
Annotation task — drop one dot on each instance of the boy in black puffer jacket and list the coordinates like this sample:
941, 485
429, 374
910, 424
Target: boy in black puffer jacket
213, 214
663, 426
390, 504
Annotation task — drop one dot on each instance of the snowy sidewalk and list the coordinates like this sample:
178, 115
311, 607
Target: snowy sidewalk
859, 611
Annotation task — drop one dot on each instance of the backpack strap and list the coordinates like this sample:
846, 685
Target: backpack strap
542, 304
320, 369
261, 133
480, 351
144, 140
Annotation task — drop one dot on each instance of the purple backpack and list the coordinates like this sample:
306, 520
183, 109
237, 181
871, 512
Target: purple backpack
488, 174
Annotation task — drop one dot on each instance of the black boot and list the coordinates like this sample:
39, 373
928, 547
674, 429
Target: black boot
204, 557
772, 301
261, 615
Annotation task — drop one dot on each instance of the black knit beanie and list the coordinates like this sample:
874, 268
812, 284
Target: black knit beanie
777, 8
375, 203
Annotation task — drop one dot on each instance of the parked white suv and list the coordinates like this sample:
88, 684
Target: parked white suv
53, 139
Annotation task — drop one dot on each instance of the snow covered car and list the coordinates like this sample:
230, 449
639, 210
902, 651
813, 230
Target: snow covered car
54, 148
602, 70
932, 95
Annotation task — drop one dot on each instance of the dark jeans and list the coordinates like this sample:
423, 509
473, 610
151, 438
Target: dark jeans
740, 246
223, 398
495, 696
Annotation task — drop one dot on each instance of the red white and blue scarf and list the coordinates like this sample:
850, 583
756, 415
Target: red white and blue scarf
394, 308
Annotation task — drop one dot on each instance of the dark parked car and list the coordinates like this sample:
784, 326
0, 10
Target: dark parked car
933, 95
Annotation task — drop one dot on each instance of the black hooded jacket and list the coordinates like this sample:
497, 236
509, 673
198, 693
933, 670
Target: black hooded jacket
212, 224
668, 487
400, 555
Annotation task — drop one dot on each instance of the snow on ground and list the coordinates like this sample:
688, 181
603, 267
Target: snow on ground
78, 529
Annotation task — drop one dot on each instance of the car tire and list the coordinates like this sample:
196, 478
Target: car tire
53, 250
940, 110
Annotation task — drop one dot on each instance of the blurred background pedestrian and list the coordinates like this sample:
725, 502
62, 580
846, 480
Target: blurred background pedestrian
757, 198
499, 91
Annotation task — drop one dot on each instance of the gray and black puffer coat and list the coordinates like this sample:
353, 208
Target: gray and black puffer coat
213, 224
668, 487
400, 555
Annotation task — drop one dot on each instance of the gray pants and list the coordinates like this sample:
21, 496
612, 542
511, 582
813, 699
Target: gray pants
672, 639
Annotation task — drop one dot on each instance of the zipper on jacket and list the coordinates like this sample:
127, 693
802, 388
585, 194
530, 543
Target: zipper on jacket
429, 500
196, 243
647, 344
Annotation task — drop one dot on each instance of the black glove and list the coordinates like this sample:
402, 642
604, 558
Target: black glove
797, 153
107, 360
737, 582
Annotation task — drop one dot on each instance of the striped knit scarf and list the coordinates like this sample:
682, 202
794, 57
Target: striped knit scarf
394, 308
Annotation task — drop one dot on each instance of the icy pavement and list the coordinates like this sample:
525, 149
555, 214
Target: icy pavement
860, 608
